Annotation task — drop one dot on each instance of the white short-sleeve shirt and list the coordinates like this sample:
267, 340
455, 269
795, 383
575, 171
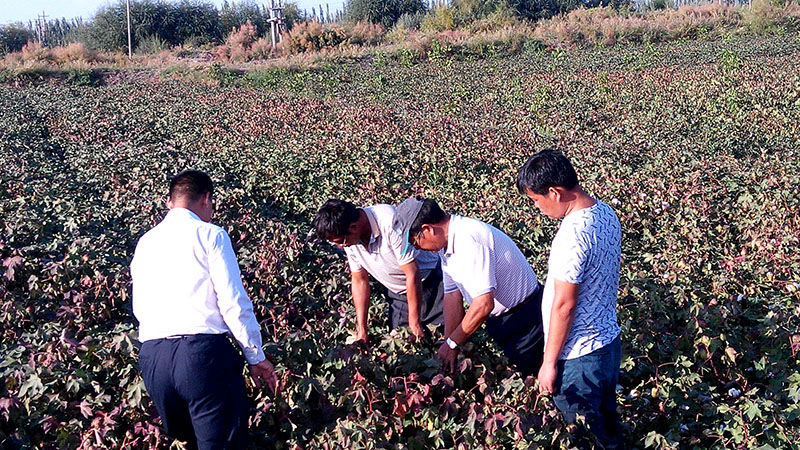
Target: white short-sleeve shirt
479, 258
586, 251
383, 256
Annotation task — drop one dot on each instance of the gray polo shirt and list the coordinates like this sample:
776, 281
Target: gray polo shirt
383, 256
479, 258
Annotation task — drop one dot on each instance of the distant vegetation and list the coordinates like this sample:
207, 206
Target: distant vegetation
694, 143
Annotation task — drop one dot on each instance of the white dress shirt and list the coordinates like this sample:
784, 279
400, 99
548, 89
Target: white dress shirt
383, 256
186, 280
479, 259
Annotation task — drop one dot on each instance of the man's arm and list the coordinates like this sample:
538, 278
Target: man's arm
414, 297
564, 303
453, 306
477, 313
237, 309
461, 326
359, 287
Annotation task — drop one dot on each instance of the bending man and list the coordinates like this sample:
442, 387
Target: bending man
413, 280
484, 268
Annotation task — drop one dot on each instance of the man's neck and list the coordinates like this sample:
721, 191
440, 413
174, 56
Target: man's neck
581, 200
366, 231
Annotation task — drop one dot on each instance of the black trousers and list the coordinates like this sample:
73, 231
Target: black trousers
520, 334
430, 311
196, 384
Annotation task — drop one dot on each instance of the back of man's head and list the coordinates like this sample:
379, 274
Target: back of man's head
190, 186
544, 170
334, 218
429, 214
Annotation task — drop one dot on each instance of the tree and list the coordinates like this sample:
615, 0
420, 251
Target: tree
13, 37
384, 12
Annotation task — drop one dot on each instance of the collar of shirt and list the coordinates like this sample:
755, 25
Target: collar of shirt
451, 233
376, 230
181, 213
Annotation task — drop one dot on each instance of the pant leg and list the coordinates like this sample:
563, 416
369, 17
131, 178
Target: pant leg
208, 375
520, 334
156, 364
587, 386
431, 306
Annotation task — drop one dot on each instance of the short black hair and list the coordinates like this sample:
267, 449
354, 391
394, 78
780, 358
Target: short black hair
546, 169
334, 218
191, 185
430, 213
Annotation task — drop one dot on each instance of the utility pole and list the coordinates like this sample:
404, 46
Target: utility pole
41, 29
276, 24
130, 50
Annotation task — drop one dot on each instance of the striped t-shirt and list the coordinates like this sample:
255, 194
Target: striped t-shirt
479, 258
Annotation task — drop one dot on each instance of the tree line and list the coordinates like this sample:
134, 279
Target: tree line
198, 22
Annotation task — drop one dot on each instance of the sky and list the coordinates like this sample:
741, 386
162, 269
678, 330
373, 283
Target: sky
27, 10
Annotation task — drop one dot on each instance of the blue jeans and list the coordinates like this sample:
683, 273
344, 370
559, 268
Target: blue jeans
587, 385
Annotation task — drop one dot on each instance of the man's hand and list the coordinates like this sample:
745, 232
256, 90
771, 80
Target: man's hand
447, 357
264, 371
416, 330
547, 378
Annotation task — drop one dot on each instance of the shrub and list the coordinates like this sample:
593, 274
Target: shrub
74, 52
237, 46
439, 19
313, 36
261, 49
365, 33
410, 21
605, 26
384, 12
34, 52
151, 45
767, 15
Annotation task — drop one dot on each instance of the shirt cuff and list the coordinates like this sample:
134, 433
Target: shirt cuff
253, 355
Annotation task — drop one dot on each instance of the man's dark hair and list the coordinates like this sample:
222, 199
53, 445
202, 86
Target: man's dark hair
191, 185
544, 170
334, 218
429, 214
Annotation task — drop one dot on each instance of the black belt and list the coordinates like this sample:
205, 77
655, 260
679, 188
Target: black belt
519, 305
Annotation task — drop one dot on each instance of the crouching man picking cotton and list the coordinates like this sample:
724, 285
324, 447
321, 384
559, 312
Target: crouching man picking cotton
582, 346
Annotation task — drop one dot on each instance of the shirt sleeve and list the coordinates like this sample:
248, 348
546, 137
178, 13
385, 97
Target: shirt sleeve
352, 263
397, 243
570, 256
482, 279
234, 304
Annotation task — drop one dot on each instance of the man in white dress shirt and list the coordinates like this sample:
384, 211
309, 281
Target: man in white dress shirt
188, 298
413, 280
484, 268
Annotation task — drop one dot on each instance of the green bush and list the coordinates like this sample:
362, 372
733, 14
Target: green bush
13, 37
384, 12
173, 23
151, 45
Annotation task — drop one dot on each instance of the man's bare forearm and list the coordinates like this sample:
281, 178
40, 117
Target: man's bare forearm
476, 314
453, 311
359, 287
413, 293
